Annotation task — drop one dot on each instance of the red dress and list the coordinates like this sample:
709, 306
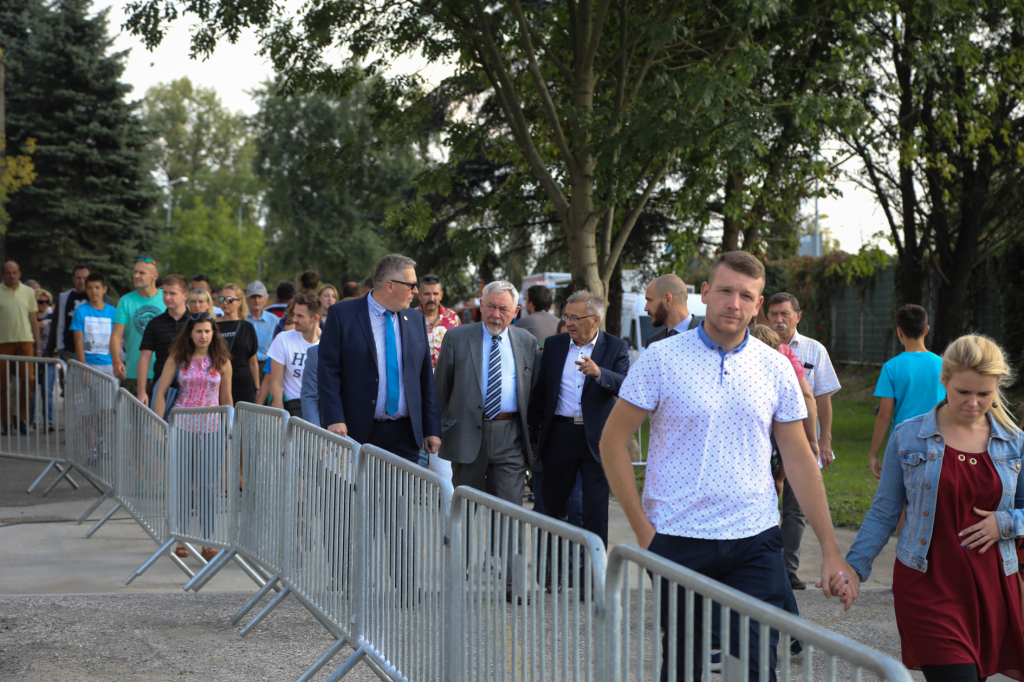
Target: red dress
963, 609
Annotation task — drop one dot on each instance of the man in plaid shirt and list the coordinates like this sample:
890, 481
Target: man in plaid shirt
784, 315
439, 318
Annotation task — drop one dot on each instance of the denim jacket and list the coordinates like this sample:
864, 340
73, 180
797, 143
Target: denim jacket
910, 475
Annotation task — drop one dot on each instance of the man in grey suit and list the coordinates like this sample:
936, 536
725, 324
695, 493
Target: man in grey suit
539, 321
483, 377
666, 305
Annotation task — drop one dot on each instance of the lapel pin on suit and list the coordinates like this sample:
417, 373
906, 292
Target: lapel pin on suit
405, 318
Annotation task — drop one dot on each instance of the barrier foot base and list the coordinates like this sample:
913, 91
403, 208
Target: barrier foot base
52, 465
97, 503
247, 569
149, 562
63, 474
265, 612
103, 520
209, 570
240, 614
347, 665
328, 655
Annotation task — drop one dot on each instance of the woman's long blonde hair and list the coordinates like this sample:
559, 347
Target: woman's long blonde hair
984, 356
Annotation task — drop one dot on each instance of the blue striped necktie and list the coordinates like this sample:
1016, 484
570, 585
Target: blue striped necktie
492, 405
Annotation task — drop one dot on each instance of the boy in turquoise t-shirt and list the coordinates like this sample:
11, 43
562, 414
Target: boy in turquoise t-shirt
909, 383
92, 326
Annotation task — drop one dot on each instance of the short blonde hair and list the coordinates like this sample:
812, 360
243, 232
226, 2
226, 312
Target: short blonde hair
981, 354
200, 293
766, 335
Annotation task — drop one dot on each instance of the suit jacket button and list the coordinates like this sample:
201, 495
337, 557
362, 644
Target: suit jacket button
373, 402
478, 426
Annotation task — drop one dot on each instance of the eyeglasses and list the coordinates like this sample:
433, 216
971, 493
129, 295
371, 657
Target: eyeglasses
42, 300
143, 259
200, 278
431, 279
573, 319
201, 317
229, 299
411, 285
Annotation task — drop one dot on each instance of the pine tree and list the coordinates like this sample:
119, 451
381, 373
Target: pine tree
93, 198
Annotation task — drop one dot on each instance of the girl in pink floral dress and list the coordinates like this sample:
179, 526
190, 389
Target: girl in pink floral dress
203, 365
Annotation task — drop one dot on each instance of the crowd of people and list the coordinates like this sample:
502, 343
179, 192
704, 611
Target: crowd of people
739, 405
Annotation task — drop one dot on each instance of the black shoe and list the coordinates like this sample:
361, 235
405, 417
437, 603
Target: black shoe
3, 430
23, 427
518, 600
796, 583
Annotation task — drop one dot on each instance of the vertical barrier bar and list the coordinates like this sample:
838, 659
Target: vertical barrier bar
91, 446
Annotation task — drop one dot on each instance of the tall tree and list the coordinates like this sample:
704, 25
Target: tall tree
944, 153
597, 98
330, 179
197, 137
211, 241
93, 197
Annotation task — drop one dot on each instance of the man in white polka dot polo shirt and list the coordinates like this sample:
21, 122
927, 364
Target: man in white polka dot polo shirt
714, 396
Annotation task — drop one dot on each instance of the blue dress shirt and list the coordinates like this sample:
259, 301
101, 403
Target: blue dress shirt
377, 321
509, 400
684, 325
264, 332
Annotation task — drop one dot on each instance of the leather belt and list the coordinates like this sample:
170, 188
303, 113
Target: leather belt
503, 416
575, 421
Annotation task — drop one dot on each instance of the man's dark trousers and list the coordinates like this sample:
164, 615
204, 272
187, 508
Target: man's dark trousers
751, 565
566, 452
397, 437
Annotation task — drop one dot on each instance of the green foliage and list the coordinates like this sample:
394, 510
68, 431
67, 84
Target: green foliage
330, 181
207, 241
198, 138
15, 172
92, 198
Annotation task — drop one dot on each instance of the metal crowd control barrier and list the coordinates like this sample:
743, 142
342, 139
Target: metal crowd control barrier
259, 448
526, 593
91, 398
321, 530
201, 484
141, 485
32, 421
401, 569
681, 601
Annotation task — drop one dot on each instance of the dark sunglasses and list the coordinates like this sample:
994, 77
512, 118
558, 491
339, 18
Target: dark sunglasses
411, 285
431, 279
200, 278
228, 299
201, 317
42, 300
143, 259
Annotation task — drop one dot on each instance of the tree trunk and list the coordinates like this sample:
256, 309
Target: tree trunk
730, 227
613, 309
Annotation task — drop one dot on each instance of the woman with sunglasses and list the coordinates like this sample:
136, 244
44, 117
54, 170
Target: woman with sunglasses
201, 361
243, 344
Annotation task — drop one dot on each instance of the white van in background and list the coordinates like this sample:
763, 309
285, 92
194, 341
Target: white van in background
636, 323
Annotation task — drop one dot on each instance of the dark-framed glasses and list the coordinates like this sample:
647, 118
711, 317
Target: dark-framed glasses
228, 299
411, 285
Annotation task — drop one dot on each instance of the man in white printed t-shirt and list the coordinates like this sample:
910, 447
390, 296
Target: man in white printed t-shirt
288, 353
714, 397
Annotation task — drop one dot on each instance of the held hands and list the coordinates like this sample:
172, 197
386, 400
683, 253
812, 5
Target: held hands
981, 535
839, 579
339, 429
588, 367
431, 444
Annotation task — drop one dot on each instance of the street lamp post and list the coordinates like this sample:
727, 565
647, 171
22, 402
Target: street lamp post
170, 199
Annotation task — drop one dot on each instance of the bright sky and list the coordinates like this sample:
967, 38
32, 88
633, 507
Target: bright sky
235, 70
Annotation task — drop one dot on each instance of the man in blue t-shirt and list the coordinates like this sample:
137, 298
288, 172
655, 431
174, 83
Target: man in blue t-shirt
92, 326
909, 383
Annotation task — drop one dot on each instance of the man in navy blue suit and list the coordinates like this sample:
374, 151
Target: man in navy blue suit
577, 386
375, 377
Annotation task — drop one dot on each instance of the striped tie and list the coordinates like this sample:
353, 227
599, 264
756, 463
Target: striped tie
492, 405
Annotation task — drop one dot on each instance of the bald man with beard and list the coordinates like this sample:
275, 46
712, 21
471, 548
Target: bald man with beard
666, 306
